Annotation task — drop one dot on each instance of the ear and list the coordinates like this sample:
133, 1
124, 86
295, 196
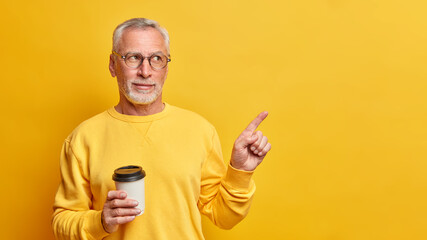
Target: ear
112, 66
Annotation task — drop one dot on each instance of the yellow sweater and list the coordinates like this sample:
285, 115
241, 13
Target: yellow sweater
186, 176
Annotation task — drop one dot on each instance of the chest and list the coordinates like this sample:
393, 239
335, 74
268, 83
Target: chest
171, 158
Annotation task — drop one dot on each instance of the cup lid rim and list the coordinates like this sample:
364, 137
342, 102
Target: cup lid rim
128, 173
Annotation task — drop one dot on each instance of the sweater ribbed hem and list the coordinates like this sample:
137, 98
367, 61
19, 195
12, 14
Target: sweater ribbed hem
94, 225
238, 179
132, 118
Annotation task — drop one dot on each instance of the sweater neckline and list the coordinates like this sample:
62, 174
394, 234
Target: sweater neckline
132, 118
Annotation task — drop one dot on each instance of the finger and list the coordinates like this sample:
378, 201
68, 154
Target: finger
119, 220
265, 150
119, 203
256, 122
255, 144
123, 212
262, 145
114, 194
243, 141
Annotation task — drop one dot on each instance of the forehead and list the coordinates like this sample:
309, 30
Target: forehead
145, 41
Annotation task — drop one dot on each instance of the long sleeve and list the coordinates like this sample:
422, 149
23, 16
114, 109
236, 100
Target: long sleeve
226, 193
186, 177
73, 217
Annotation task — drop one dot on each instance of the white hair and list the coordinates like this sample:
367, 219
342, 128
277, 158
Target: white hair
139, 23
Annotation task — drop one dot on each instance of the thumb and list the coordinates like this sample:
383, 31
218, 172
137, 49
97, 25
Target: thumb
253, 139
243, 142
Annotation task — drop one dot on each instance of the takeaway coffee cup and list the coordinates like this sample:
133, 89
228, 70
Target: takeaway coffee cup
131, 179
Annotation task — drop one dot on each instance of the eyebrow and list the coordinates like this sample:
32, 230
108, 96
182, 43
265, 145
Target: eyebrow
154, 53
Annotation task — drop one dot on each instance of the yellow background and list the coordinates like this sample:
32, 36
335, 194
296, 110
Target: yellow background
344, 82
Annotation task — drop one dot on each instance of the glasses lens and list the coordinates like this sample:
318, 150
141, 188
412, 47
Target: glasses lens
133, 60
158, 61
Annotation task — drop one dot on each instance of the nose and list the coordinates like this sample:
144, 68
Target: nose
145, 69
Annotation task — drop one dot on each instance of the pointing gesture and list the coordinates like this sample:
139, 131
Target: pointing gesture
251, 146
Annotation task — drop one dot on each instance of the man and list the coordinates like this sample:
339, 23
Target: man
178, 149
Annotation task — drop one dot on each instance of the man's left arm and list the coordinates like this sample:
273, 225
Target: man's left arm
226, 192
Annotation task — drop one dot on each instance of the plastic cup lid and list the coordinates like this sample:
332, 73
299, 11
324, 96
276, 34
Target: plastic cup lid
128, 173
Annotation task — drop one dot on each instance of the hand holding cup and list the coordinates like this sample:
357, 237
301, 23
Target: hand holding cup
128, 201
118, 210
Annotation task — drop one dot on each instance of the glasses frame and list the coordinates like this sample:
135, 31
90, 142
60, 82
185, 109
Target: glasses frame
143, 58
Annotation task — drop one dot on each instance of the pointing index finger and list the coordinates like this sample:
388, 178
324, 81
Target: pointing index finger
256, 122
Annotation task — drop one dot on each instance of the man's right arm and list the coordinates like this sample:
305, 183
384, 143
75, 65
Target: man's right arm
73, 217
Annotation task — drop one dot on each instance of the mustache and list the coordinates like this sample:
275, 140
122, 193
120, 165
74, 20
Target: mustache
143, 81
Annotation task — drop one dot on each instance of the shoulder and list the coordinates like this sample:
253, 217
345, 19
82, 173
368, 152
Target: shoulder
189, 118
191, 122
91, 126
192, 127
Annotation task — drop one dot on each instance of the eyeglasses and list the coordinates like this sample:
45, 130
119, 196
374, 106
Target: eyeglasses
134, 60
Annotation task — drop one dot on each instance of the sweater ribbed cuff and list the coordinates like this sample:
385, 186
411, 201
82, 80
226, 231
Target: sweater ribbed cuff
238, 179
94, 225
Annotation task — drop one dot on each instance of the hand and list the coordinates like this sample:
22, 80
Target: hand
250, 147
118, 210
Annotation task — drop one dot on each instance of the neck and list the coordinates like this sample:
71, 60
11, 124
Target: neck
129, 108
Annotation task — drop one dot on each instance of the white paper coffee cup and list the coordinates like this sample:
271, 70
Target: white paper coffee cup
132, 180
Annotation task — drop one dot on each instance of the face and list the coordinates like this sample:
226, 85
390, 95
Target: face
142, 85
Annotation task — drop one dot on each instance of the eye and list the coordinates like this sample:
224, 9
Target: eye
157, 58
133, 57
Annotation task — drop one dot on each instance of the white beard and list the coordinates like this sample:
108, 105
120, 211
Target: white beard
141, 96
